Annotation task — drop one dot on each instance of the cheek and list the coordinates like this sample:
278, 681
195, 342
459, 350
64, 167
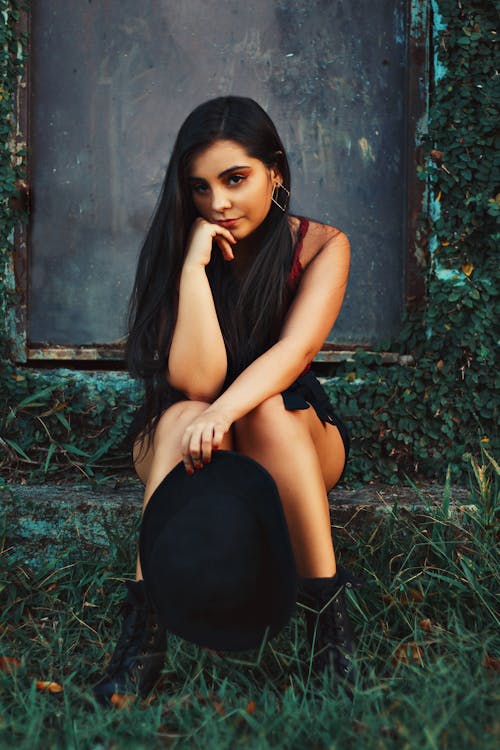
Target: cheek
262, 199
199, 204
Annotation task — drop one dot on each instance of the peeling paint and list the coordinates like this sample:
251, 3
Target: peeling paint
437, 26
417, 17
443, 274
399, 25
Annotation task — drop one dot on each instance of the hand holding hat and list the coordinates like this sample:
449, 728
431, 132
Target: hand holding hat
216, 555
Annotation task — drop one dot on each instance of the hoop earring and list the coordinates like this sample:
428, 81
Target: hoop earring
276, 198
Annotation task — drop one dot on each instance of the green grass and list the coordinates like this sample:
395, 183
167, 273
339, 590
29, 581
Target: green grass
432, 577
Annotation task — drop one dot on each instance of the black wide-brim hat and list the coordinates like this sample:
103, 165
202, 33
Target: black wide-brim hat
216, 555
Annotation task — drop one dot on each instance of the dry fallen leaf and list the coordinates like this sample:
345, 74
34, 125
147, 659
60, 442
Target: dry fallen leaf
50, 687
251, 707
8, 663
219, 707
405, 597
426, 625
409, 652
467, 268
491, 663
415, 595
122, 701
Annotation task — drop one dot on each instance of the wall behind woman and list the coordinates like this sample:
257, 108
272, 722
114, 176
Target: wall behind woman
417, 418
132, 71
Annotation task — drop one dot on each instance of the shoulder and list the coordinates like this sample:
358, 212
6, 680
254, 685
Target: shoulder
318, 239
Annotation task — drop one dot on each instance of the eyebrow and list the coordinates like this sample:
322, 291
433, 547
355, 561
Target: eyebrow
222, 174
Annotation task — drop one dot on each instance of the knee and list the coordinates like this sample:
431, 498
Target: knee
265, 414
269, 420
176, 417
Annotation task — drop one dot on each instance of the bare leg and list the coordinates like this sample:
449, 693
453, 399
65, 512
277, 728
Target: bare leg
304, 457
154, 465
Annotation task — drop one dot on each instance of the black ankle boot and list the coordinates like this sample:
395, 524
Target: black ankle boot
329, 629
140, 652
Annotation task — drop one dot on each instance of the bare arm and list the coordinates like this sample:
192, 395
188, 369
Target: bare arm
197, 361
311, 316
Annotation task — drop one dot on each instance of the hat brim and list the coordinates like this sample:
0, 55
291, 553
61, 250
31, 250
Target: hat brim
239, 475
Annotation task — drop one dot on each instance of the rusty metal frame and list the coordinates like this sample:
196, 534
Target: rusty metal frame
19, 327
417, 111
417, 90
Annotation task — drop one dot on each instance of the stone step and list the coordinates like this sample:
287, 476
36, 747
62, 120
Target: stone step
42, 521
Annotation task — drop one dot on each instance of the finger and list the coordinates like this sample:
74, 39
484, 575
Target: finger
195, 449
216, 230
221, 233
206, 445
227, 234
186, 456
219, 433
184, 441
225, 248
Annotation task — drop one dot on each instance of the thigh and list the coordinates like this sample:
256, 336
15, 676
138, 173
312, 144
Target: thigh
329, 447
270, 428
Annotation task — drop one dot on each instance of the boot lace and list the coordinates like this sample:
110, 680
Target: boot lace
130, 638
334, 636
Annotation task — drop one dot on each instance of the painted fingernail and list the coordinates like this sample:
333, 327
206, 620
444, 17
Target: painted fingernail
190, 471
198, 465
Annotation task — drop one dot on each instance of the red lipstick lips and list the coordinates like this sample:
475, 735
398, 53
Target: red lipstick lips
227, 223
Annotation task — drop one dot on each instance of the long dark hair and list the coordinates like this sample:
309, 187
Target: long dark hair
261, 298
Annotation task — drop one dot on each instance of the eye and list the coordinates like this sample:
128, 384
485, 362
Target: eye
199, 188
235, 179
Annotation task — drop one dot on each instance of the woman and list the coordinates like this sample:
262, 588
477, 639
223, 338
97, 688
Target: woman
232, 300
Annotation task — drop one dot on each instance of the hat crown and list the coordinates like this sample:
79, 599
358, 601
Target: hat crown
216, 555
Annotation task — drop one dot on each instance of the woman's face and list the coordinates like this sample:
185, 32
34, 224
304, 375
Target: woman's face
231, 188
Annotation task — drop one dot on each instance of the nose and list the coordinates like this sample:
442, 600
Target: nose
220, 200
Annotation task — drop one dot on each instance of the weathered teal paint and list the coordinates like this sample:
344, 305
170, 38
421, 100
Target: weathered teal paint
434, 205
15, 334
125, 389
443, 274
438, 25
11, 159
419, 31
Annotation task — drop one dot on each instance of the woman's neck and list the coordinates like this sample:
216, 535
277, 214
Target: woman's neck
244, 255
245, 252
246, 249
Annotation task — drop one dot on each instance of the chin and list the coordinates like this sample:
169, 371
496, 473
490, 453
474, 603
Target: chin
241, 234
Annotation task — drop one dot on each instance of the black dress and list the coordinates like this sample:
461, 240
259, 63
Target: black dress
303, 393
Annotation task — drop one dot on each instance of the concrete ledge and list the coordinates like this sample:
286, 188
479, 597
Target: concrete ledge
40, 522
